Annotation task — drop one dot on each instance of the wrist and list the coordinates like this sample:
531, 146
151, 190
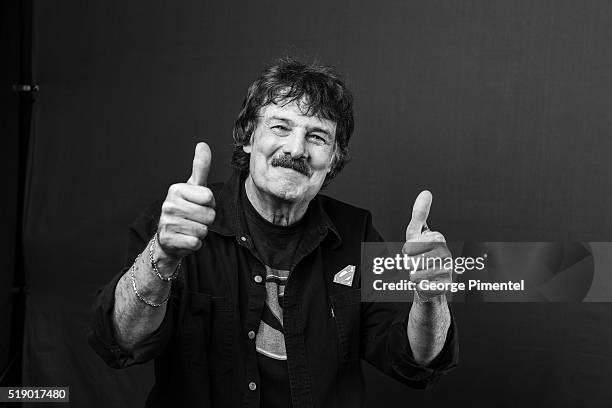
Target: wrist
165, 262
146, 287
165, 266
420, 298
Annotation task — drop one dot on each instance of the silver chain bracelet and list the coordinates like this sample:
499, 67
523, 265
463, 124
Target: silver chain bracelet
154, 264
148, 302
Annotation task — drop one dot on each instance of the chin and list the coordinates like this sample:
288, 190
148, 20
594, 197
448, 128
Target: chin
287, 191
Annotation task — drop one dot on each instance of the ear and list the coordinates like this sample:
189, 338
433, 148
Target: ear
248, 147
332, 159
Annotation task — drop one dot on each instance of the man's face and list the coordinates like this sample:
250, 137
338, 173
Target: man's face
291, 153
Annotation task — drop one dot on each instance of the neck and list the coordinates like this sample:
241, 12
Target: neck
271, 208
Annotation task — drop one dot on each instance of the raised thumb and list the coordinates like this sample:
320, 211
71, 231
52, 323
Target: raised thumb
201, 165
420, 212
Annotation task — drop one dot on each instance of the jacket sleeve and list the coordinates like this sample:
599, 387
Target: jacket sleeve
385, 341
101, 336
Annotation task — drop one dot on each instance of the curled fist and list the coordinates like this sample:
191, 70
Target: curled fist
188, 210
426, 244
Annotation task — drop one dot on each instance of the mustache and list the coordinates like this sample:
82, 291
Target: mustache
289, 162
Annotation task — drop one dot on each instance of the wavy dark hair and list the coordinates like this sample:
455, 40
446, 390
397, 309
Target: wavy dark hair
320, 88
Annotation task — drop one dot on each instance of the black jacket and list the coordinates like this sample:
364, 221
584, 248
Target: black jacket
202, 350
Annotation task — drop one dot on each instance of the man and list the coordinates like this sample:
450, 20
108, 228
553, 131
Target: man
232, 290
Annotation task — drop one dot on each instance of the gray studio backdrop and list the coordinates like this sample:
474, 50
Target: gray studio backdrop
500, 108
9, 122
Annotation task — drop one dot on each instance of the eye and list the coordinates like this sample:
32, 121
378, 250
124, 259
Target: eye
280, 128
318, 139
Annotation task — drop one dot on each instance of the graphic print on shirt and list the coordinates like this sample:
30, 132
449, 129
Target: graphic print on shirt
270, 339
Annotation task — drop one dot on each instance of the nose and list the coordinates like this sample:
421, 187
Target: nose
295, 144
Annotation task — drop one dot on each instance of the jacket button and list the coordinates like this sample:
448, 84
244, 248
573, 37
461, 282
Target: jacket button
252, 386
258, 278
243, 238
251, 334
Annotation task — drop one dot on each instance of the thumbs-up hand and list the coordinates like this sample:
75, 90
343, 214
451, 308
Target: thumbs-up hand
426, 244
187, 211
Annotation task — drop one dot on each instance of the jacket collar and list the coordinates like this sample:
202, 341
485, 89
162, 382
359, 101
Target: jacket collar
229, 219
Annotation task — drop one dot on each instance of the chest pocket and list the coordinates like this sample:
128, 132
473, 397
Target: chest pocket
206, 338
346, 312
